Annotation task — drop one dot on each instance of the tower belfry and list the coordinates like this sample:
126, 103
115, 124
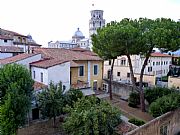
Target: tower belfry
96, 21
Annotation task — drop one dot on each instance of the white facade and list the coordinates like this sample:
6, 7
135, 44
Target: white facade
62, 44
55, 74
83, 43
157, 66
5, 55
6, 42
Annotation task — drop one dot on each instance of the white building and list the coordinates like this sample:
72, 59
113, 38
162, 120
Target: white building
157, 67
10, 38
78, 40
45, 71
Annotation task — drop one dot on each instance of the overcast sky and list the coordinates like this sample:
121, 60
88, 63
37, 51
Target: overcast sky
48, 20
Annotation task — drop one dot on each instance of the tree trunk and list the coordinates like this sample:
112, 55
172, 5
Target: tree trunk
54, 121
132, 72
110, 80
141, 81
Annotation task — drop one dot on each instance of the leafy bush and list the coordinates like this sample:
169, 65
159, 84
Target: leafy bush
136, 122
165, 104
152, 94
134, 99
91, 116
72, 96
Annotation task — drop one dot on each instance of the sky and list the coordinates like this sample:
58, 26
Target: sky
52, 20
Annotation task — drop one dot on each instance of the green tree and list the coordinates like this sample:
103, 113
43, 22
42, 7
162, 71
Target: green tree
165, 104
72, 96
51, 101
18, 74
15, 85
91, 116
161, 33
105, 44
151, 94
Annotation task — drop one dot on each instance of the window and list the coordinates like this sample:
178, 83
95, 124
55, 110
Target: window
118, 73
153, 63
164, 130
5, 40
109, 62
156, 63
81, 71
105, 87
123, 62
34, 74
64, 87
95, 69
128, 74
41, 77
149, 69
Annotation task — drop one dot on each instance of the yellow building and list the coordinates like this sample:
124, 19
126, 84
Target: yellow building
174, 82
86, 68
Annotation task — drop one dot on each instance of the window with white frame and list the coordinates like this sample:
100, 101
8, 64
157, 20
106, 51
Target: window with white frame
95, 69
123, 62
105, 87
149, 69
164, 129
81, 70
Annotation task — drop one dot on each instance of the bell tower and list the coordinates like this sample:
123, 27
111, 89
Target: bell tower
96, 21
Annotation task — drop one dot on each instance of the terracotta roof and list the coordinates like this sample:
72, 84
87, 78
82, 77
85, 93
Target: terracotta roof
13, 33
73, 64
38, 86
46, 63
160, 55
5, 37
84, 51
33, 44
10, 49
65, 54
16, 58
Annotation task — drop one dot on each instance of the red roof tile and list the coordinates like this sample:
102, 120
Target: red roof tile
46, 63
65, 54
160, 55
10, 49
16, 58
38, 86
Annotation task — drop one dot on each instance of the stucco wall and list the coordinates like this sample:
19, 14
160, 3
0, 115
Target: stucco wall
170, 119
60, 73
150, 79
174, 82
8, 43
38, 72
99, 76
5, 55
26, 61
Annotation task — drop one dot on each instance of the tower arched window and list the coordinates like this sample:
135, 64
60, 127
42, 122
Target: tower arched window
93, 24
100, 23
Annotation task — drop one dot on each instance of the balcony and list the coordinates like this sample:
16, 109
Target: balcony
80, 85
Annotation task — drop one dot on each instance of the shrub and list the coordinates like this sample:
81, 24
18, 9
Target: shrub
134, 99
72, 96
136, 122
165, 104
91, 116
152, 94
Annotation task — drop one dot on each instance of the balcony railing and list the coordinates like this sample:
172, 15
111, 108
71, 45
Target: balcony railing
80, 85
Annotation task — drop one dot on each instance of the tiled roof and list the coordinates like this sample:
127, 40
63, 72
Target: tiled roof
16, 58
84, 51
13, 33
156, 54
10, 49
6, 37
38, 86
46, 63
73, 64
65, 54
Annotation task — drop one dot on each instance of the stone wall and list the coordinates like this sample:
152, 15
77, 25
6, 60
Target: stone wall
120, 89
171, 120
